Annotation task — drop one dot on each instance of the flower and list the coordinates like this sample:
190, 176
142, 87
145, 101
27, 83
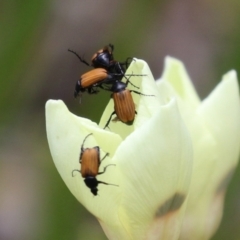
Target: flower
172, 166
153, 163
214, 126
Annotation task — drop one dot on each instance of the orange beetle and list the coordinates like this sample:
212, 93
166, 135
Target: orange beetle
124, 106
106, 71
92, 79
90, 163
97, 78
103, 58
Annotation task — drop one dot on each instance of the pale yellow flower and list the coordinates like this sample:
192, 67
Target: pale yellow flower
153, 159
214, 126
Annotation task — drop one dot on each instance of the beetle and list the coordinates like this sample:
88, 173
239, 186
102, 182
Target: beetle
107, 71
90, 80
103, 58
90, 163
124, 106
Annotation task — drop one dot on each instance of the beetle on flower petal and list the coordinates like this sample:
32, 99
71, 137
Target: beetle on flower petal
90, 163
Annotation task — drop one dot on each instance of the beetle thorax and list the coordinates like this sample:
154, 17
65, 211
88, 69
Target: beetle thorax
119, 86
91, 182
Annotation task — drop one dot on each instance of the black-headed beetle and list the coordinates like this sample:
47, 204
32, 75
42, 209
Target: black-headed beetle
90, 163
107, 71
103, 58
97, 77
90, 80
124, 106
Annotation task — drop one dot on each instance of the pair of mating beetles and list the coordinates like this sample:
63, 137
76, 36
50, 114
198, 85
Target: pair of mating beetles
107, 74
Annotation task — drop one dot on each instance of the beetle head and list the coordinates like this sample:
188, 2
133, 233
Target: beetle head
78, 89
92, 183
103, 58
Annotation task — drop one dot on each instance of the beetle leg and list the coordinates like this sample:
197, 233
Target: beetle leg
119, 69
116, 119
104, 88
74, 171
92, 90
127, 60
109, 120
127, 63
142, 93
81, 59
105, 168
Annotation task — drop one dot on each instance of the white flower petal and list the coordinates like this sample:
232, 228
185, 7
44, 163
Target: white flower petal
176, 74
156, 162
214, 162
209, 124
221, 112
66, 133
146, 106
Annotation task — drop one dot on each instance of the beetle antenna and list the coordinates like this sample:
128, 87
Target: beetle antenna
81, 59
134, 75
80, 99
128, 81
107, 183
82, 149
132, 84
142, 94
78, 95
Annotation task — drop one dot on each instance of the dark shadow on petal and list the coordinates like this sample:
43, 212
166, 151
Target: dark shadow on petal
225, 181
171, 205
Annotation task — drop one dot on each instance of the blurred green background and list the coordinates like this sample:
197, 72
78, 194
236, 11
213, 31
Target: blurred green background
35, 66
